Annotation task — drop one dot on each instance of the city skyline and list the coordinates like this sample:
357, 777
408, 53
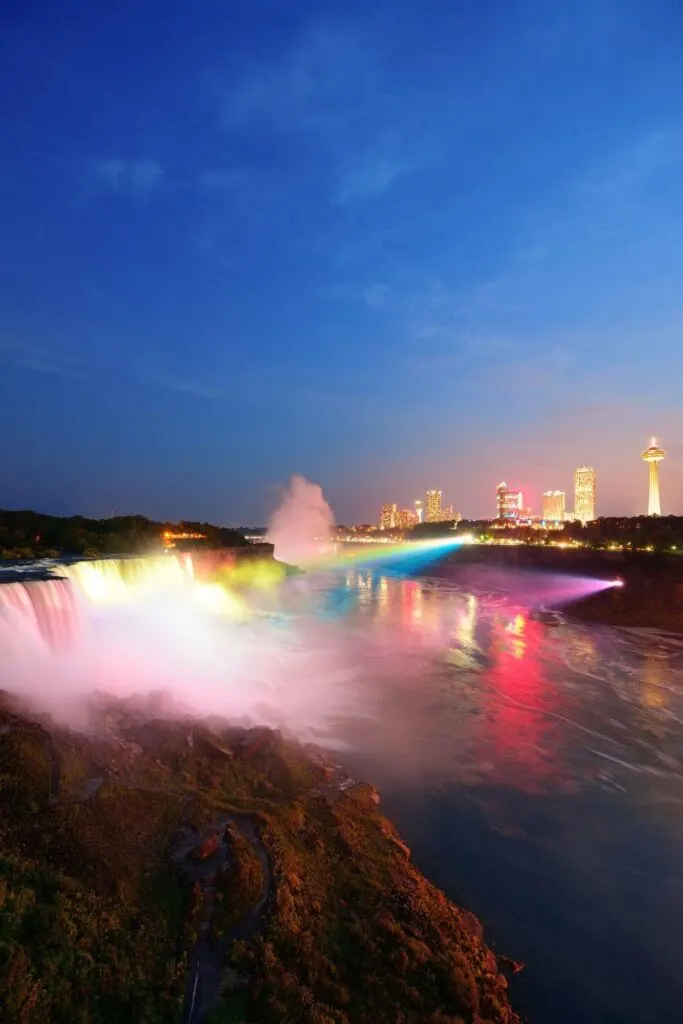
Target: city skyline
510, 501
291, 251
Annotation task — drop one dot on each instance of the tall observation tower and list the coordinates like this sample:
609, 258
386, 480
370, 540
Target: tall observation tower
654, 456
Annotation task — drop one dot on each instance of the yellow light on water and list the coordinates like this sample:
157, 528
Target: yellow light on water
219, 601
107, 580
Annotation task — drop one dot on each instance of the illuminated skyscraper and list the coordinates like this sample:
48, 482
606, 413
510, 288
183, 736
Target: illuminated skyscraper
419, 510
553, 510
584, 494
433, 506
653, 455
508, 502
387, 519
446, 513
406, 518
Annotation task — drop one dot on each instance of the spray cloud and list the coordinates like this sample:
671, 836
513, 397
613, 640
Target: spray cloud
301, 526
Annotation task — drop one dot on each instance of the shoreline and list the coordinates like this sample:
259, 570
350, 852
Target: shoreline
631, 607
650, 597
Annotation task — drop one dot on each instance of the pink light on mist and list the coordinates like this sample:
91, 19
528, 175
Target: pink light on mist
301, 526
557, 590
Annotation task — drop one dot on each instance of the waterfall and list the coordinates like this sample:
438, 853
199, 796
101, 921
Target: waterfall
50, 612
38, 612
114, 579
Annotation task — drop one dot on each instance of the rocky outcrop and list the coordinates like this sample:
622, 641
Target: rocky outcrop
205, 849
206, 745
397, 841
256, 741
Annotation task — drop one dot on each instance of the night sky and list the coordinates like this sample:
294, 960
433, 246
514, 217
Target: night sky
388, 245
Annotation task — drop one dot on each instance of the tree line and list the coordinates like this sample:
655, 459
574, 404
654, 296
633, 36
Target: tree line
660, 533
35, 535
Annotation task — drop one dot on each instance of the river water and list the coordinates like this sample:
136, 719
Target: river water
535, 769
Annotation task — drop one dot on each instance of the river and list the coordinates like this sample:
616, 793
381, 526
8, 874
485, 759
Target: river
533, 766
535, 769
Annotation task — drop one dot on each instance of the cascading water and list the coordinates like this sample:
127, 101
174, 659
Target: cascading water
51, 612
111, 579
38, 612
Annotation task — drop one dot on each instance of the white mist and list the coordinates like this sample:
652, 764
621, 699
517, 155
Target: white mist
301, 526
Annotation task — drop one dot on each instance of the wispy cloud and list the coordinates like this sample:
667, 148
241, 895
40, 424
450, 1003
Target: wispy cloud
377, 295
315, 83
133, 176
28, 355
603, 204
621, 176
370, 174
183, 385
329, 93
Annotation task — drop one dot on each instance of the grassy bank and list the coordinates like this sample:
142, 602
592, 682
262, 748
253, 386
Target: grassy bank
96, 923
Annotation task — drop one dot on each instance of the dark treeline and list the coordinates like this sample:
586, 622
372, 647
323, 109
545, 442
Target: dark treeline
34, 535
661, 533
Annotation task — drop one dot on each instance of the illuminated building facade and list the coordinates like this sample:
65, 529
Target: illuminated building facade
447, 513
170, 538
406, 518
584, 494
387, 519
509, 502
419, 510
553, 509
653, 456
433, 506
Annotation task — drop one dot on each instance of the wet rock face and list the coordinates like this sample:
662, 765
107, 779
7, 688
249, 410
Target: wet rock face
472, 925
398, 843
205, 849
361, 792
259, 740
213, 747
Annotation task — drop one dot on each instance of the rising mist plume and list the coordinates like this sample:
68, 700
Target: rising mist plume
301, 527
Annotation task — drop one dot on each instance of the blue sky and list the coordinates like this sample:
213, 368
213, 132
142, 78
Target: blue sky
389, 246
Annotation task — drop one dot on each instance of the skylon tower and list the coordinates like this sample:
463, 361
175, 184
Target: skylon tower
653, 455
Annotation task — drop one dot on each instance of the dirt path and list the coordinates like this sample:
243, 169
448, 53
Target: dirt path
205, 970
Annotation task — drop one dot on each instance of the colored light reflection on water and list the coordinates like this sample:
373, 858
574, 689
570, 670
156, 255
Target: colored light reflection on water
536, 770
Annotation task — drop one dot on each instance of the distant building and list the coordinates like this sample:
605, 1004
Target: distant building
419, 510
387, 519
553, 508
171, 538
447, 513
509, 502
433, 506
584, 494
406, 518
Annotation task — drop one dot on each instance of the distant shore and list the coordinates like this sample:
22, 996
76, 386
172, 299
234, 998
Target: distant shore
651, 596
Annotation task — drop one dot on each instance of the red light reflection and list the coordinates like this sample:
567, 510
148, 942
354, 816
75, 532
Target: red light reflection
521, 724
